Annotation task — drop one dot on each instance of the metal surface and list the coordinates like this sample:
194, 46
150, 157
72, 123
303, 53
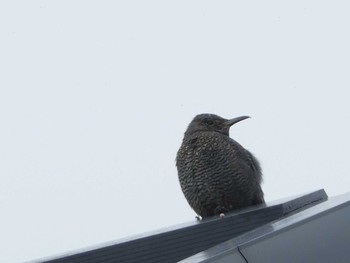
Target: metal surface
320, 233
182, 242
324, 237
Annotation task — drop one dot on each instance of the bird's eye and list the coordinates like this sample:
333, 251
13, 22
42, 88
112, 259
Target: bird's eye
210, 122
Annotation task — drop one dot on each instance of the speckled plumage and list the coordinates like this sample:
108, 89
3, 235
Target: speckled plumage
216, 174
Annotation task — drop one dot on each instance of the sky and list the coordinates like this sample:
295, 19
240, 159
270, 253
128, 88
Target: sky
95, 97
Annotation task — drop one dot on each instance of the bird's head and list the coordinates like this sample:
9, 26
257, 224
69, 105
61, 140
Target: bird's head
212, 122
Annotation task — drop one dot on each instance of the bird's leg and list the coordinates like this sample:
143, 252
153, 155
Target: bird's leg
221, 210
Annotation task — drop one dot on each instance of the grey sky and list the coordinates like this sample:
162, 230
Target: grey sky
95, 97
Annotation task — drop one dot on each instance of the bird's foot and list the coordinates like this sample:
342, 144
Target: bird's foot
220, 210
198, 218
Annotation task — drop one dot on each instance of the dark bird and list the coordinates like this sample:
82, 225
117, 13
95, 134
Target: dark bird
217, 175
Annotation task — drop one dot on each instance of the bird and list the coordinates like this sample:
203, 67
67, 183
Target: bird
216, 174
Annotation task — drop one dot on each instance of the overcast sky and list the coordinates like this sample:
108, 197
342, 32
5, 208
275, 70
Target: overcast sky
95, 97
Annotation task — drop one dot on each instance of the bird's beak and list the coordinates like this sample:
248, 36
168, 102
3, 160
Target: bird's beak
230, 122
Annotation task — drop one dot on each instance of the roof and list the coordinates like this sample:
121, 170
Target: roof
256, 234
320, 233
